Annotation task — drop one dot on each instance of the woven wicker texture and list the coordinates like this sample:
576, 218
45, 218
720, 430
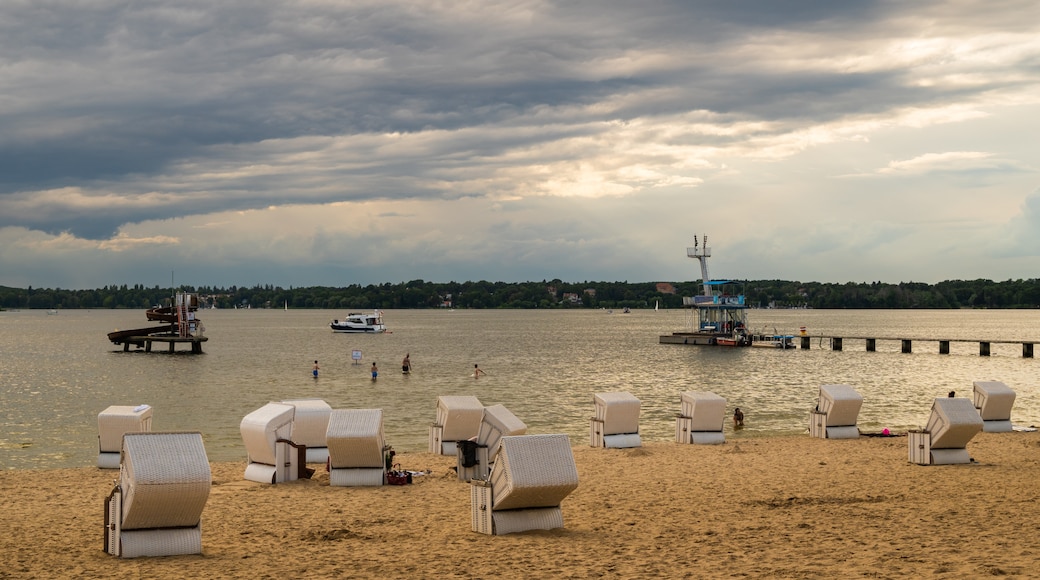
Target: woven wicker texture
165, 479
355, 438
618, 411
707, 409
994, 400
262, 427
166, 542
496, 422
841, 403
116, 420
310, 422
459, 416
533, 471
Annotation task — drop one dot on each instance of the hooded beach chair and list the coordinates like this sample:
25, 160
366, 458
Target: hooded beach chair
701, 418
272, 456
836, 413
310, 423
994, 400
356, 448
529, 479
475, 456
156, 506
113, 422
951, 425
458, 419
616, 422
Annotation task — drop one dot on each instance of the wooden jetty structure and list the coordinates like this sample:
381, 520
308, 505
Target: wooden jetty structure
906, 344
183, 328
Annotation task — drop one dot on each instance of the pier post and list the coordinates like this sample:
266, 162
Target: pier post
907, 347
944, 347
871, 344
1027, 350
806, 340
836, 343
983, 349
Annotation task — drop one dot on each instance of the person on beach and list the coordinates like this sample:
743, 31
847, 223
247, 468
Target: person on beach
406, 364
477, 372
315, 371
375, 371
738, 418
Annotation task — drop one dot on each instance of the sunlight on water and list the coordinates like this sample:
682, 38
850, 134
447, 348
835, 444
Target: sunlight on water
59, 372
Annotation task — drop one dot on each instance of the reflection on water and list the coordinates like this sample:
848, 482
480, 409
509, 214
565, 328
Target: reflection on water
59, 371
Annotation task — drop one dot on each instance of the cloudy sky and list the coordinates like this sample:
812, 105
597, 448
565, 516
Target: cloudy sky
333, 142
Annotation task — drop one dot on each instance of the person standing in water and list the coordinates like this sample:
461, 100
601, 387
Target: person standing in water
375, 371
477, 372
315, 371
406, 364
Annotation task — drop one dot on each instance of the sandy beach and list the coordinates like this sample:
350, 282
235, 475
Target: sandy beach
784, 507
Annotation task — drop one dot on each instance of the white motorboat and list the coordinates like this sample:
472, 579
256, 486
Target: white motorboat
360, 323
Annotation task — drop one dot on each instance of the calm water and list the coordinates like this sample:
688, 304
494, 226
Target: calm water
58, 371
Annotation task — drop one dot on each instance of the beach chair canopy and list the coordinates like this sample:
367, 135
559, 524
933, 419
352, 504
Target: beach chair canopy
994, 400
497, 422
952, 423
459, 416
841, 403
707, 409
355, 438
533, 471
619, 412
262, 428
165, 480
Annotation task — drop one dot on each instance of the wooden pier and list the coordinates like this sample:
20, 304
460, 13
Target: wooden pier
146, 341
906, 344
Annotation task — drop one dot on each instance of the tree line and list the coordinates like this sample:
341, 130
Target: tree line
546, 294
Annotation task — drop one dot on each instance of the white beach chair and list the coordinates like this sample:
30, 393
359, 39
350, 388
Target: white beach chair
616, 423
115, 421
951, 425
310, 423
272, 457
475, 456
994, 400
458, 419
356, 448
701, 418
836, 413
156, 507
530, 478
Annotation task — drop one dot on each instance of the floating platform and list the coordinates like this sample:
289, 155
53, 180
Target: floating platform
142, 339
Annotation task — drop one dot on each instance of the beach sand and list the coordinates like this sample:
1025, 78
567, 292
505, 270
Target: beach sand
785, 507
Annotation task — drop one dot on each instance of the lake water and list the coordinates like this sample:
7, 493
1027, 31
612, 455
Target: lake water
57, 372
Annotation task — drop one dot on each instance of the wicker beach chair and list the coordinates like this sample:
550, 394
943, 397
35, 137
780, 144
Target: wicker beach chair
310, 423
836, 413
701, 418
475, 456
951, 425
356, 447
458, 419
115, 421
272, 455
994, 400
616, 423
530, 478
156, 506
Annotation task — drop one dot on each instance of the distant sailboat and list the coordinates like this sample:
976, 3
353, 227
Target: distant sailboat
657, 303
286, 305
